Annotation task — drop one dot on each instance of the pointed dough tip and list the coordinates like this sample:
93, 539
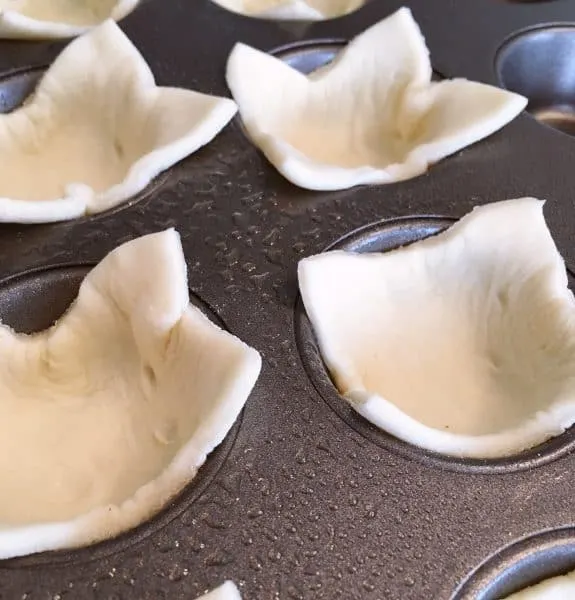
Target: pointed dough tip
226, 591
242, 52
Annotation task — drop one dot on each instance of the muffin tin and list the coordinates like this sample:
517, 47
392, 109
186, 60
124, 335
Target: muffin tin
304, 499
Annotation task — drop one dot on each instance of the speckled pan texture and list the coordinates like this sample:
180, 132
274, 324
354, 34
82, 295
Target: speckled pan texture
305, 500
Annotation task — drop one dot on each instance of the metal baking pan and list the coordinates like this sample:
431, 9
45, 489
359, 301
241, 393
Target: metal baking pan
304, 499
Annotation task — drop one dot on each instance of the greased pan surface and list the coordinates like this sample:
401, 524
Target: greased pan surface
304, 499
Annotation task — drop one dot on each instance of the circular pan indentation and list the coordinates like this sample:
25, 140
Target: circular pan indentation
521, 565
16, 88
307, 57
382, 237
537, 64
35, 300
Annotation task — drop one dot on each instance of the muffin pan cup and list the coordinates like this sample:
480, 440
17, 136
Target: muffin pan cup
300, 503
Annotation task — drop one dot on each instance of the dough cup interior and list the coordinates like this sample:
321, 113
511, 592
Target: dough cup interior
463, 343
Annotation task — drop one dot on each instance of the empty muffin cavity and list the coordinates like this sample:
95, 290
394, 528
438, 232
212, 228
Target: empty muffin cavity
534, 561
537, 64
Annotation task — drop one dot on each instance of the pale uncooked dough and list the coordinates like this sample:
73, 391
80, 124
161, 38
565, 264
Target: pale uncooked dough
556, 588
297, 10
463, 343
45, 19
226, 591
372, 115
110, 412
97, 131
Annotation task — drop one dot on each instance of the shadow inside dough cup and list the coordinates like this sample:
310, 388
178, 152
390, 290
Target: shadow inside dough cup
461, 344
